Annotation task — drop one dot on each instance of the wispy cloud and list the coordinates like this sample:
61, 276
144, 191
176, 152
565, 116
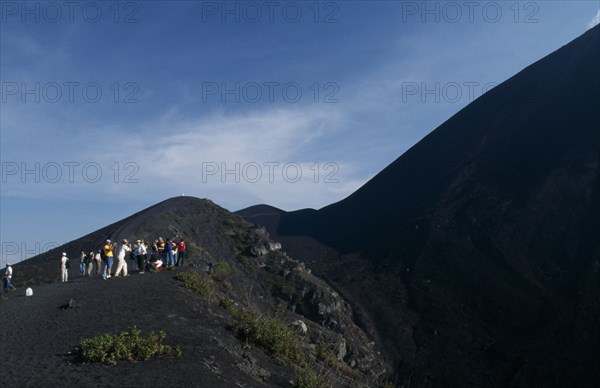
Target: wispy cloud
264, 157
273, 156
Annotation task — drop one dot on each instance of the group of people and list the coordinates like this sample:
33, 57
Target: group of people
162, 254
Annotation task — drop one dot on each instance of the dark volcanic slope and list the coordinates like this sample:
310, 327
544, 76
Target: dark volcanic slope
480, 246
242, 275
541, 124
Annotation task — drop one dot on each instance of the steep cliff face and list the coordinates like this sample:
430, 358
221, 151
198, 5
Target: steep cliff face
329, 317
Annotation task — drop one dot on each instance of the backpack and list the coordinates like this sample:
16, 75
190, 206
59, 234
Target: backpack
102, 254
68, 264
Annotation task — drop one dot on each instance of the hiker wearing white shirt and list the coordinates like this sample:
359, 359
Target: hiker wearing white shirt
122, 263
64, 268
98, 260
7, 278
140, 256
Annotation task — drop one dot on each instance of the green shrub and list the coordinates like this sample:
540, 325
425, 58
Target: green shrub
326, 355
199, 284
228, 304
272, 334
129, 346
221, 270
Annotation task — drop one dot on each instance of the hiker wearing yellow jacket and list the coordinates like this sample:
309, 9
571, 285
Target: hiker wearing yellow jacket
107, 251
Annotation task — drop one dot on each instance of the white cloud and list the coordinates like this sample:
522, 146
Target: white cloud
244, 160
263, 153
595, 21
180, 147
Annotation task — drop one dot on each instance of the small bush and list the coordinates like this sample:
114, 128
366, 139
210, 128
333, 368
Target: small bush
326, 355
228, 304
221, 270
200, 285
274, 335
129, 346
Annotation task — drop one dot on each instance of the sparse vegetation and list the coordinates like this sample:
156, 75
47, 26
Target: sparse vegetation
221, 271
307, 378
228, 304
272, 334
195, 249
202, 285
128, 345
247, 288
280, 284
326, 355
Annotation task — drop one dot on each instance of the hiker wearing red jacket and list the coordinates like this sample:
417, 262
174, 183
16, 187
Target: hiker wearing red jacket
180, 253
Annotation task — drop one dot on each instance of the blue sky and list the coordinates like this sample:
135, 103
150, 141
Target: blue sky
109, 107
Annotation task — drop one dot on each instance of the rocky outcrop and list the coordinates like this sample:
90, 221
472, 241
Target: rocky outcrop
328, 319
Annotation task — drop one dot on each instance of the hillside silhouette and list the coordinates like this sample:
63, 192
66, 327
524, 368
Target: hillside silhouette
475, 254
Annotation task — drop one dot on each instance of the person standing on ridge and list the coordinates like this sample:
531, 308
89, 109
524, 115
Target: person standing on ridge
140, 256
170, 255
122, 262
145, 257
64, 268
108, 254
98, 260
161, 249
175, 249
180, 253
135, 252
82, 263
155, 251
7, 278
90, 262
